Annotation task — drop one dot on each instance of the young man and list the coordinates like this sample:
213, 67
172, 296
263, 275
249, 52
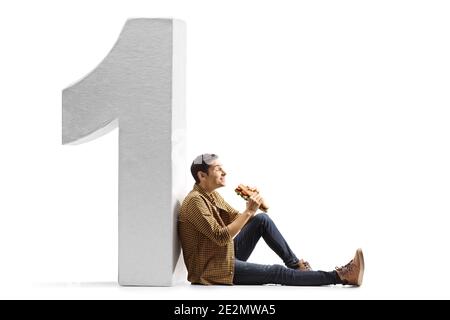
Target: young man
208, 224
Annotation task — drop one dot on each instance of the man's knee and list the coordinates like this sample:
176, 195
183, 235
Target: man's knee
262, 218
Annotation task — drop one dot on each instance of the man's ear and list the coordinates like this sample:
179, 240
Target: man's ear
201, 174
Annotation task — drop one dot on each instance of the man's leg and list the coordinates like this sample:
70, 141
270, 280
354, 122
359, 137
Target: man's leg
246, 273
262, 226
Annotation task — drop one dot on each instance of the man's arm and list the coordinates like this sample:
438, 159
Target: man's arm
202, 219
253, 204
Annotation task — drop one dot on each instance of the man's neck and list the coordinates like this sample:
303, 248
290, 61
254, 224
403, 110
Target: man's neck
205, 188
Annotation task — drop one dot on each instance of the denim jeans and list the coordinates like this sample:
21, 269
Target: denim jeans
246, 273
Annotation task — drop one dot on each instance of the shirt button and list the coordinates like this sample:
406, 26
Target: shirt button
231, 272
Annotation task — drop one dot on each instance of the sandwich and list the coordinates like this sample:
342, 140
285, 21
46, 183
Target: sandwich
246, 192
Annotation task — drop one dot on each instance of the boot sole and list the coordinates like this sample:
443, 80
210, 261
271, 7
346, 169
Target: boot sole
361, 266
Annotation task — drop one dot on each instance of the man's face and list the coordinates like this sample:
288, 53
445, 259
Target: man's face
216, 175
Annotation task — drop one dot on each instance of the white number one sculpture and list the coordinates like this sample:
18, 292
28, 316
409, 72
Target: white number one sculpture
140, 87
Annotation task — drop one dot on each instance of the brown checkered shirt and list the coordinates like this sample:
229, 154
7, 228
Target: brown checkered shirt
208, 249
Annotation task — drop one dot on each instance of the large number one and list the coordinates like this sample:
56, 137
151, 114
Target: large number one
139, 87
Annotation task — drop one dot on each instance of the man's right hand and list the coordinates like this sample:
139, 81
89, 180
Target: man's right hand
253, 203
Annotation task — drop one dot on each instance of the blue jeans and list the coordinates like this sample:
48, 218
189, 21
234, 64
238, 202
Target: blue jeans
246, 273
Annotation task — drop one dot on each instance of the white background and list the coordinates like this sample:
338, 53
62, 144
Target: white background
337, 110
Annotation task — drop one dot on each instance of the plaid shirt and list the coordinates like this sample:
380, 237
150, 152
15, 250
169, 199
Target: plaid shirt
208, 249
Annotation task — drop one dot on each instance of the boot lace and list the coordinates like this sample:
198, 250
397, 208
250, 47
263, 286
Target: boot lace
347, 268
304, 265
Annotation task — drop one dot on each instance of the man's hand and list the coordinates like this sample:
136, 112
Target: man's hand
263, 201
246, 192
253, 203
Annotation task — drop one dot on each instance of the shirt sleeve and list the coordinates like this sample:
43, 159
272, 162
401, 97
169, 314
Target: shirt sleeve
202, 219
233, 213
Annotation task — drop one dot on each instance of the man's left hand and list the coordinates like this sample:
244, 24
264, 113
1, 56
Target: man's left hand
263, 201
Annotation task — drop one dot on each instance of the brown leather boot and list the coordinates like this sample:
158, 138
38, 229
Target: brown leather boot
304, 266
352, 273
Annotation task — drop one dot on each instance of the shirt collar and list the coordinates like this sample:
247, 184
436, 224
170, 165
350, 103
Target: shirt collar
202, 191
